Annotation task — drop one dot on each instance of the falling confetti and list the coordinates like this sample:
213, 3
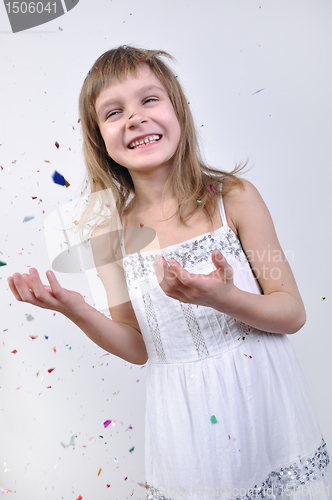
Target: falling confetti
50, 370
30, 317
2, 263
323, 297
214, 419
28, 217
131, 449
257, 91
34, 337
57, 145
59, 179
210, 187
71, 443
99, 472
108, 422
14, 351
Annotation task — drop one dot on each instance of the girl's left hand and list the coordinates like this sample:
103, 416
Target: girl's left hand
201, 289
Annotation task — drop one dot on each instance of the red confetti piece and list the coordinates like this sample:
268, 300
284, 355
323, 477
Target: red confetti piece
210, 187
108, 485
229, 437
141, 59
54, 350
34, 197
79, 498
14, 351
142, 225
33, 338
57, 145
50, 370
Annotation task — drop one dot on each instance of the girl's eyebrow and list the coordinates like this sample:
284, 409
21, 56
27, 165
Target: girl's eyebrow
147, 88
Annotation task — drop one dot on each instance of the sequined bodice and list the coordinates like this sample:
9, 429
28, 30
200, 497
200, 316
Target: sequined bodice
158, 314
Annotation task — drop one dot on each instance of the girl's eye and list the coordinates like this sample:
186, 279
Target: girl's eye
112, 113
150, 99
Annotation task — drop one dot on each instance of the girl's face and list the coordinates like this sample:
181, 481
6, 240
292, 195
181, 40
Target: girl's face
137, 122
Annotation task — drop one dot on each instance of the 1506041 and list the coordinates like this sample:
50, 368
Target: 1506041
31, 7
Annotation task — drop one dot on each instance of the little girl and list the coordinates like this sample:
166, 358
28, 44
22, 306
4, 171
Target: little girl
229, 414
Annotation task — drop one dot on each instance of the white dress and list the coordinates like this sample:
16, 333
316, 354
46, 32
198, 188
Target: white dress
228, 413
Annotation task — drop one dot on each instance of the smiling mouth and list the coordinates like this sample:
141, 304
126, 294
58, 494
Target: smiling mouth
149, 139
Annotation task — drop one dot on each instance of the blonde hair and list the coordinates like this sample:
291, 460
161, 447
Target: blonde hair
202, 183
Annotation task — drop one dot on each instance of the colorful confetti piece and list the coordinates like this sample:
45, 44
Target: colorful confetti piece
59, 179
28, 217
214, 419
99, 472
50, 370
30, 317
57, 145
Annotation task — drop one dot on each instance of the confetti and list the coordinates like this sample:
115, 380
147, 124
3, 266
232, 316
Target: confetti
108, 422
210, 187
59, 179
50, 370
323, 297
33, 337
199, 201
28, 217
57, 145
71, 443
30, 317
142, 225
214, 419
2, 263
257, 91
14, 351
131, 449
141, 59
99, 472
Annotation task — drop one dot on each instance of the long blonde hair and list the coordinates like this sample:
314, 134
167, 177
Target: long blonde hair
191, 179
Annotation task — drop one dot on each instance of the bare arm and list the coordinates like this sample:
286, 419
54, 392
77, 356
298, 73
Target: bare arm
280, 308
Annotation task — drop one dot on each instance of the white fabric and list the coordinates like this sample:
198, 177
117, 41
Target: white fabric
204, 364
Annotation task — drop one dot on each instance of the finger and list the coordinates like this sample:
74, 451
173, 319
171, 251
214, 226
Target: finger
22, 289
224, 269
55, 286
13, 289
36, 285
179, 272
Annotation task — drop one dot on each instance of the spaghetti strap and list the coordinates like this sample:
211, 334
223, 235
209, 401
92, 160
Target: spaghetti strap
222, 211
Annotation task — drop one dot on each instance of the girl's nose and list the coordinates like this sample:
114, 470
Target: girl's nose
135, 119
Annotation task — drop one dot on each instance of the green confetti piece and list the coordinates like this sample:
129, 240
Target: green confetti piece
214, 419
2, 263
132, 449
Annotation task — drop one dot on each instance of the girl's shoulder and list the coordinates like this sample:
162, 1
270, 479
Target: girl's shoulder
242, 202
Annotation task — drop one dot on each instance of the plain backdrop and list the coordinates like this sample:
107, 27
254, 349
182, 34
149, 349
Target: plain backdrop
257, 74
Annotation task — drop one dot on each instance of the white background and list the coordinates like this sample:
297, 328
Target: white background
226, 51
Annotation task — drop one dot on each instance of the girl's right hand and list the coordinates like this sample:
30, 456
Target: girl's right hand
29, 288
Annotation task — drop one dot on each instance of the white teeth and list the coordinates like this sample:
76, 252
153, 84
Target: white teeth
148, 139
